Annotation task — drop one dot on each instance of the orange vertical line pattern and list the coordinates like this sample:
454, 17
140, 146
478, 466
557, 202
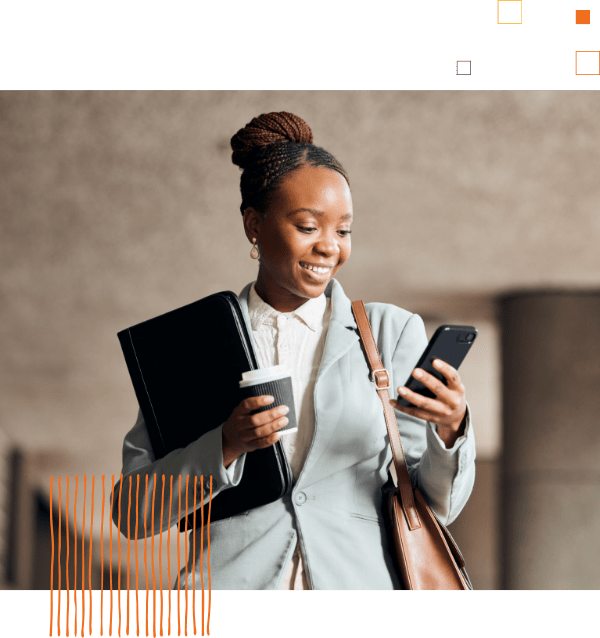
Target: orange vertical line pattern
91, 540
208, 557
185, 557
67, 559
169, 550
194, 556
112, 505
137, 603
162, 502
119, 546
145, 561
75, 550
178, 564
102, 562
52, 560
59, 539
152, 548
202, 546
128, 542
83, 557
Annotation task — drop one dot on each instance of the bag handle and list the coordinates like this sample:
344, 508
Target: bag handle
381, 378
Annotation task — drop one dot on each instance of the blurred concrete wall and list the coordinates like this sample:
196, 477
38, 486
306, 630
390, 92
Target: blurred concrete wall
118, 206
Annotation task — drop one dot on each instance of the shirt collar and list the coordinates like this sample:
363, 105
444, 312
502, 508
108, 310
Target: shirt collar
311, 311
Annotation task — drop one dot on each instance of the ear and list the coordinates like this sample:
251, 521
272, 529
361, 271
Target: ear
252, 223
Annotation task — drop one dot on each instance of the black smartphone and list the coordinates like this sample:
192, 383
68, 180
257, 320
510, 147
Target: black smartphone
450, 344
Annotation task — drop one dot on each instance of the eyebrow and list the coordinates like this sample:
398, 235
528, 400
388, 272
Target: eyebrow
317, 213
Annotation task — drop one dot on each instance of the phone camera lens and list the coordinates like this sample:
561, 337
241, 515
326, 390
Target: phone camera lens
470, 337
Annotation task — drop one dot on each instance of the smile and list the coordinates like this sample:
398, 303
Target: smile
318, 270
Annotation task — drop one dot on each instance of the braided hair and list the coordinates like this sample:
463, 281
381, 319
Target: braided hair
270, 146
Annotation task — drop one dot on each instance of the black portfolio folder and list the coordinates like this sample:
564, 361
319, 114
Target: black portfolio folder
185, 367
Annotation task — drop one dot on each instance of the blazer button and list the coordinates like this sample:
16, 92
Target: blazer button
300, 498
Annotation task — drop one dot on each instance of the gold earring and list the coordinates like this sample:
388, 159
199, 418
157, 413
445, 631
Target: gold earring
254, 252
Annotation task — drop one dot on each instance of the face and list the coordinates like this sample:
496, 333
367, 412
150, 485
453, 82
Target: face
308, 224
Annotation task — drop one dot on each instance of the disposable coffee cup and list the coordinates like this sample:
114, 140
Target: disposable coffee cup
275, 381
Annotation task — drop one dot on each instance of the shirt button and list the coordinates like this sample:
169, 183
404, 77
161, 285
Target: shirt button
300, 498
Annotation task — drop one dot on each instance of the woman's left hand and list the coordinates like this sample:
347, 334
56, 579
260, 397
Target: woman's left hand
448, 409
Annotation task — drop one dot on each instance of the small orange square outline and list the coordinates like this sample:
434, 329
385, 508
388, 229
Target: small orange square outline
498, 8
581, 15
576, 52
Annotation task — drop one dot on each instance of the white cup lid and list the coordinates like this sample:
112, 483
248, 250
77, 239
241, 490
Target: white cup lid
253, 377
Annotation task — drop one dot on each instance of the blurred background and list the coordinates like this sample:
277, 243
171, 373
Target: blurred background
470, 207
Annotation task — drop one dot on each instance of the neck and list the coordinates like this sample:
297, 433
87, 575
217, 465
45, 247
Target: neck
276, 296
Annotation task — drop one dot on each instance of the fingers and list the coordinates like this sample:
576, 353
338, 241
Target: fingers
253, 403
416, 412
440, 390
260, 429
424, 403
451, 374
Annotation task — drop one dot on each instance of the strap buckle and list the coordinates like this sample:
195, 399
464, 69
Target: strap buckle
384, 379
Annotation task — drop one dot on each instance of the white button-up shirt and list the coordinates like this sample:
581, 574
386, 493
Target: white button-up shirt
295, 339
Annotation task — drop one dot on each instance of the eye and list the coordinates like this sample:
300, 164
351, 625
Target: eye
306, 229
345, 232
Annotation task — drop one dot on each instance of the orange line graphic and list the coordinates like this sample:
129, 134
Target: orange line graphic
162, 503
119, 546
187, 481
137, 602
67, 559
145, 562
128, 541
52, 562
112, 504
169, 550
152, 547
91, 539
75, 550
202, 546
83, 556
101, 562
178, 564
208, 556
59, 539
194, 556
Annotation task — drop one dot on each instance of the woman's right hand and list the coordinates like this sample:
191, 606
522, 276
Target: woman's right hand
245, 432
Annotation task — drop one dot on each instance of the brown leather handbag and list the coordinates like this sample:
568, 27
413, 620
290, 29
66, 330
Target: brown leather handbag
426, 555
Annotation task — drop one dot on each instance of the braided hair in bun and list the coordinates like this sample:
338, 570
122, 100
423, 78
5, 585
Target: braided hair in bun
270, 146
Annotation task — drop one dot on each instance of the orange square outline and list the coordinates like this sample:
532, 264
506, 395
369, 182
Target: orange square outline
583, 11
498, 11
576, 52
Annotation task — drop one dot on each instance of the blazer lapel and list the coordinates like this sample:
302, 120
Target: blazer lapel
342, 332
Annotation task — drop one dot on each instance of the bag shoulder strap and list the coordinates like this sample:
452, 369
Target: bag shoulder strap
381, 378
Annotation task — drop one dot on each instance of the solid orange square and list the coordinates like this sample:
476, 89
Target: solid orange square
582, 16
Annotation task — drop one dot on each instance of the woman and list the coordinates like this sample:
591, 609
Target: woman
329, 532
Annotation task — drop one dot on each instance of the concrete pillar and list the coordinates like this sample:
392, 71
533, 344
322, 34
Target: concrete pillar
551, 440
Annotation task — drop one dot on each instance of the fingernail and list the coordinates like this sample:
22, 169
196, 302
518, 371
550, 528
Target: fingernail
417, 373
402, 390
269, 399
284, 409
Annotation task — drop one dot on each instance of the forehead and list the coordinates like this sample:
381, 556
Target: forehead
318, 191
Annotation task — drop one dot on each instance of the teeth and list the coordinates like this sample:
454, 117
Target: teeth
321, 271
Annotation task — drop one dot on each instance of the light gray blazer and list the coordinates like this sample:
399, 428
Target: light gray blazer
334, 508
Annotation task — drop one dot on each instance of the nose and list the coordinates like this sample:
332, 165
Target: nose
327, 244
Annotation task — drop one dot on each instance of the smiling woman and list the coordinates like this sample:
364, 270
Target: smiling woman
297, 214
